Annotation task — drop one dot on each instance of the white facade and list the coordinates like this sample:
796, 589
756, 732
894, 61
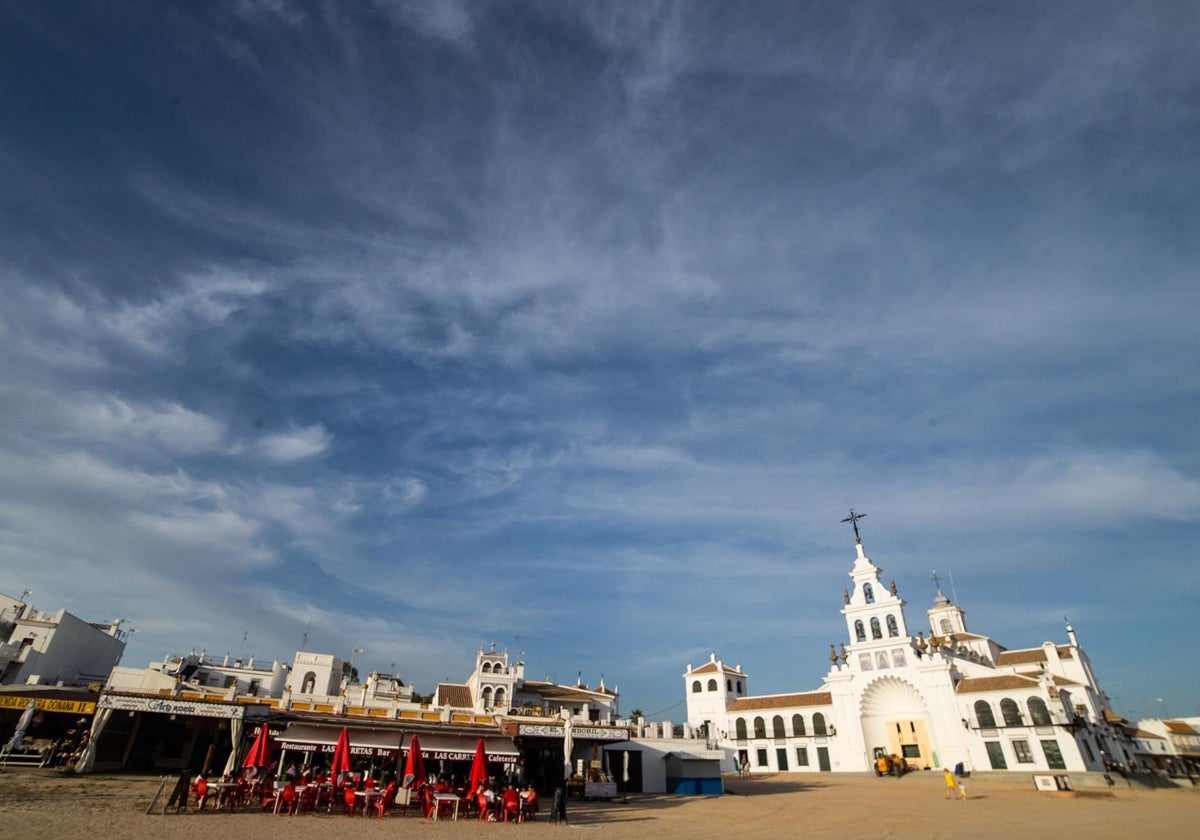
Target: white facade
196, 672
60, 649
953, 697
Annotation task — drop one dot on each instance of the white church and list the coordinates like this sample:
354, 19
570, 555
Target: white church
936, 694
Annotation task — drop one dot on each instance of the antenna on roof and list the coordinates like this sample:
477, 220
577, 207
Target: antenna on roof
304, 638
952, 588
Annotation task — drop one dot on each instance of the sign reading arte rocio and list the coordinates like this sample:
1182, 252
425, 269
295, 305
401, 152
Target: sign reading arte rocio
164, 706
46, 704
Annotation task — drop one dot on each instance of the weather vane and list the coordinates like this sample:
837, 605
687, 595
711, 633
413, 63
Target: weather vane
853, 520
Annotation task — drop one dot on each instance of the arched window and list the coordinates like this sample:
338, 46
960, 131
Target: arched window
1010, 712
876, 632
946, 628
310, 682
739, 684
696, 687
860, 633
798, 726
500, 698
487, 668
487, 697
1038, 713
868, 593
712, 685
760, 728
983, 714
893, 628
819, 724
739, 728
729, 685
777, 727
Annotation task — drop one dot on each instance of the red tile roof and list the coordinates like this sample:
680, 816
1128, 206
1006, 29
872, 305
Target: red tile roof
455, 696
1024, 657
1006, 682
782, 701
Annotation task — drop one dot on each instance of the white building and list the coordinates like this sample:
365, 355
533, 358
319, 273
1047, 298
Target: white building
953, 697
60, 649
498, 685
197, 672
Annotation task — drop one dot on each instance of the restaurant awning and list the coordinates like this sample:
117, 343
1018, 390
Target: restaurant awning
462, 748
364, 743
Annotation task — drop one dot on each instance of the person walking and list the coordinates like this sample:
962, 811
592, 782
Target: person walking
951, 784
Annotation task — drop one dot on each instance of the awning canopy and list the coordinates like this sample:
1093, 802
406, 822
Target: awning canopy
364, 743
462, 748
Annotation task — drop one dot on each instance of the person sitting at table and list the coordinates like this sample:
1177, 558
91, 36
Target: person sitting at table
529, 802
201, 786
369, 783
442, 786
511, 802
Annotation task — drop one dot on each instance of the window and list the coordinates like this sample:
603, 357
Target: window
712, 685
739, 686
946, 629
868, 593
801, 756
762, 757
500, 697
1010, 712
912, 751
1054, 758
798, 726
1022, 752
864, 662
898, 658
893, 628
487, 668
1087, 749
487, 698
819, 724
983, 714
696, 687
876, 632
729, 685
310, 680
1038, 713
255, 685
860, 632
760, 728
781, 759
739, 728
996, 755
777, 727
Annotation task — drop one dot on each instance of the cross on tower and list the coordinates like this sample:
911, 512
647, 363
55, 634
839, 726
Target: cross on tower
853, 520
937, 582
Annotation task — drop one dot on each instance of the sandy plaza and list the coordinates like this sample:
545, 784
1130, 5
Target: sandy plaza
854, 805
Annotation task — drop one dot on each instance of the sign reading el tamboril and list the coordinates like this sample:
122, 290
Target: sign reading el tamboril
579, 733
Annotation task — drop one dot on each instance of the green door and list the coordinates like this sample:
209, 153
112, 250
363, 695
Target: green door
823, 759
996, 755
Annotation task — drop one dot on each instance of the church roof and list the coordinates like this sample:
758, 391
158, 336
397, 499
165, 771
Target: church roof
1112, 717
1179, 727
712, 668
1001, 683
782, 701
1024, 657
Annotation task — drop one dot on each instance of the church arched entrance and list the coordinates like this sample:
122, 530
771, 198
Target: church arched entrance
895, 717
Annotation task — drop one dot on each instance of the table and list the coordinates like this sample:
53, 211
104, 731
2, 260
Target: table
220, 791
439, 798
367, 796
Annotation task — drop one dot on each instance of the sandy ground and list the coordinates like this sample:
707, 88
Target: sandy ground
46, 804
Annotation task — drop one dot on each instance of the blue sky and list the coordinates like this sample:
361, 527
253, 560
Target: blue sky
579, 327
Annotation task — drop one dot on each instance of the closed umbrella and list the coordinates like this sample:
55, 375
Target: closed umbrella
414, 765
18, 735
260, 750
479, 771
341, 754
568, 746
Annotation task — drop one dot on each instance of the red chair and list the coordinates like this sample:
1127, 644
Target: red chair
529, 807
348, 798
287, 799
384, 803
201, 793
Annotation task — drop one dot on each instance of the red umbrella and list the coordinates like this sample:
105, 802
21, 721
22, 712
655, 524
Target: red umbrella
414, 765
479, 771
341, 754
260, 750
